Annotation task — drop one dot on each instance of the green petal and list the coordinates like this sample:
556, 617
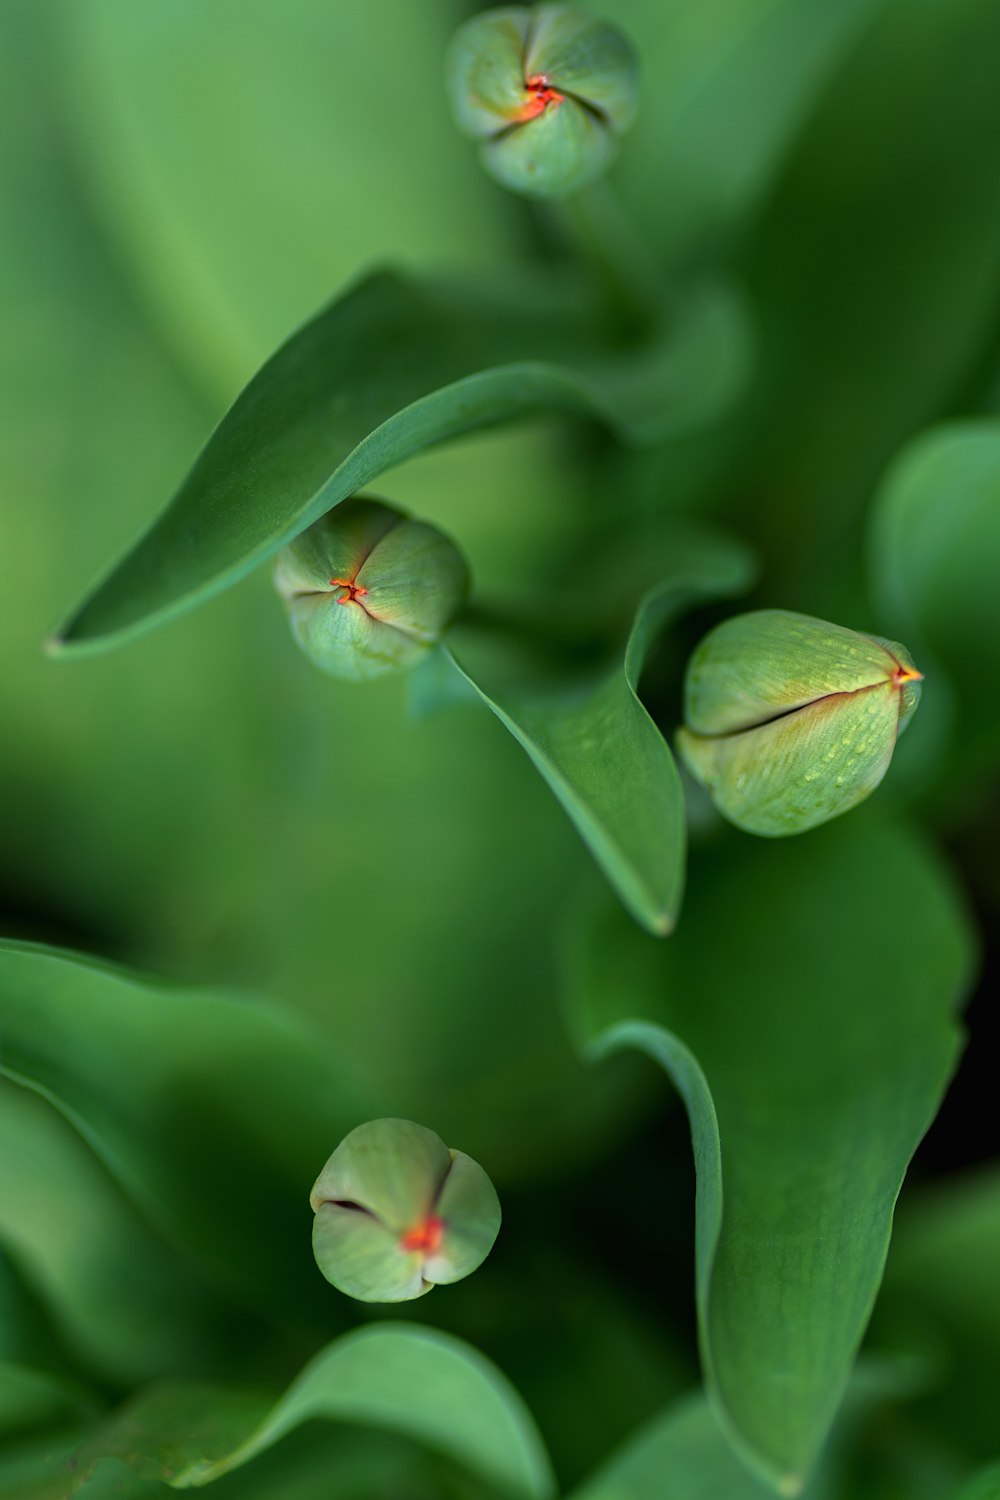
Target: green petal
586, 57
346, 641
757, 665
416, 578
393, 1168
361, 1257
554, 155
804, 768
486, 70
336, 546
470, 1209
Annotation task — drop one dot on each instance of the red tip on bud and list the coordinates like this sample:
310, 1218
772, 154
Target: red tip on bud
355, 591
425, 1236
541, 96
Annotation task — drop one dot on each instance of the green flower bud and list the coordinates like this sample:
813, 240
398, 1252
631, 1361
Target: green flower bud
791, 721
547, 91
397, 1213
369, 590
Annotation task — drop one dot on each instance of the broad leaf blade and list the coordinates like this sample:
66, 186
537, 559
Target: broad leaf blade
389, 369
679, 1455
198, 1104
397, 1377
805, 1012
601, 753
98, 1274
682, 1454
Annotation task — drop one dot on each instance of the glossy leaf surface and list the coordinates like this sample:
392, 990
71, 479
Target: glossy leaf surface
601, 753
397, 1377
805, 1012
390, 369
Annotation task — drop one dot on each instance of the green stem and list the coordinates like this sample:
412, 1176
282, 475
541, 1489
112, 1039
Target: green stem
604, 229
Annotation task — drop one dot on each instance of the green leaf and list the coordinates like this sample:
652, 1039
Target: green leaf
96, 1273
680, 1453
31, 1398
387, 370
397, 1377
683, 1451
805, 1014
599, 750
933, 557
196, 1103
37, 1381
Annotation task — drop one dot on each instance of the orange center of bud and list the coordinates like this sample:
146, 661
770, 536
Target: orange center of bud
425, 1236
354, 590
906, 674
541, 95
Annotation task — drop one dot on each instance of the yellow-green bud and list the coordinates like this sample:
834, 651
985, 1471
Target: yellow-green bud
791, 721
397, 1213
369, 590
547, 91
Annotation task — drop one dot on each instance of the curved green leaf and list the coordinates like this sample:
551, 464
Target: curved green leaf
934, 556
805, 1014
95, 1270
601, 753
387, 370
682, 1454
679, 1455
37, 1381
195, 1102
398, 1377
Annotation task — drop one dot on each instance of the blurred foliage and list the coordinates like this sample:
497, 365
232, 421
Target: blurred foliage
183, 186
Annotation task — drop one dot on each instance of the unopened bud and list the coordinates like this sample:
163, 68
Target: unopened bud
547, 92
791, 721
369, 590
397, 1212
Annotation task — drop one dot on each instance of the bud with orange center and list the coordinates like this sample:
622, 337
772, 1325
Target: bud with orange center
397, 1212
370, 590
546, 91
791, 721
